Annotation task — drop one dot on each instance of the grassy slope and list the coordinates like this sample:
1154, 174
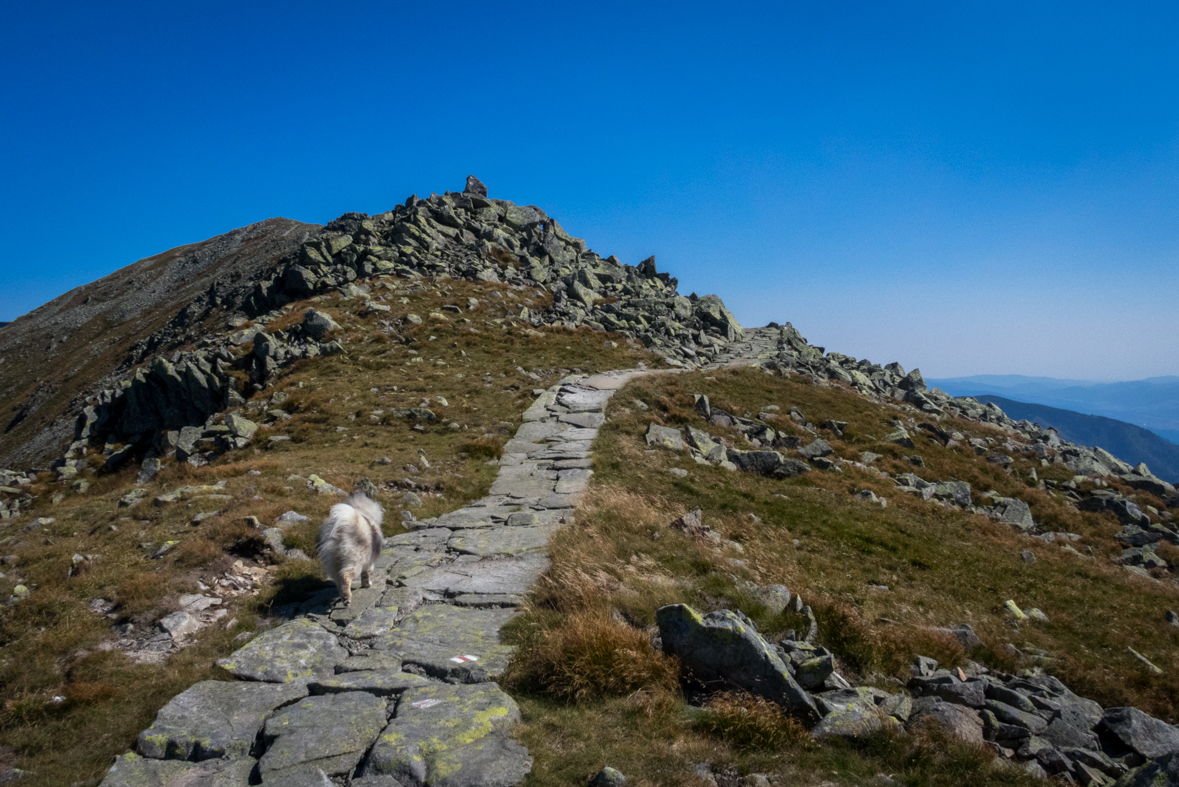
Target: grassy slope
50, 640
620, 562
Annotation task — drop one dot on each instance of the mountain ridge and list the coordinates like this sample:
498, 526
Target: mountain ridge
1130, 443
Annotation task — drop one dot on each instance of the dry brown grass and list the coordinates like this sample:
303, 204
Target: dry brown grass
746, 721
590, 656
330, 401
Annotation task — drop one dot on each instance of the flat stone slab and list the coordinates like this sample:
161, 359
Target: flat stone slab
362, 599
536, 431
489, 600
131, 770
502, 541
524, 486
452, 643
451, 735
294, 651
570, 464
555, 501
329, 733
583, 420
581, 400
215, 720
417, 538
382, 683
571, 486
369, 661
512, 575
576, 435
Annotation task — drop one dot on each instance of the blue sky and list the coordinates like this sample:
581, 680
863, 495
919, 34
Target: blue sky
968, 188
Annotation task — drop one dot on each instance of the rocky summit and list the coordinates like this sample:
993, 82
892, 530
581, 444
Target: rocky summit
602, 494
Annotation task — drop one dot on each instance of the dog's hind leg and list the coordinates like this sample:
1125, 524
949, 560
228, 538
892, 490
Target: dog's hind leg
365, 578
345, 586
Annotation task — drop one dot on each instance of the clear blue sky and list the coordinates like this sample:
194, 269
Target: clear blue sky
968, 188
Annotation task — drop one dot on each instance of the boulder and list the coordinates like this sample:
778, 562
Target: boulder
723, 650
960, 721
664, 437
760, 462
1014, 512
475, 186
816, 449
1129, 729
317, 324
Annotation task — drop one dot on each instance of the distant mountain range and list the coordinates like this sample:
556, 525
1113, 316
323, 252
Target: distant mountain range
2, 324
1152, 403
1127, 442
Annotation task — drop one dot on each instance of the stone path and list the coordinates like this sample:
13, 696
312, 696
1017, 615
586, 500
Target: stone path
399, 688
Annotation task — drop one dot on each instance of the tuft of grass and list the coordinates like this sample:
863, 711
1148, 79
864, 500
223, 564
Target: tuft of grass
590, 656
746, 721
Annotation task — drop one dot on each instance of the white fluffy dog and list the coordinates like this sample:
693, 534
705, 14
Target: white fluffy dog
350, 541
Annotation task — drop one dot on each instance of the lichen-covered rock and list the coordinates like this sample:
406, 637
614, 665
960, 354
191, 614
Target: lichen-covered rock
328, 733
451, 643
722, 650
131, 770
299, 649
214, 719
664, 437
451, 735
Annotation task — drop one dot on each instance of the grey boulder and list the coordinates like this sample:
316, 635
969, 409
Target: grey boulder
722, 650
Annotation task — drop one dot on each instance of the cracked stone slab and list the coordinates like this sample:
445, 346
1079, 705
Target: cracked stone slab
572, 484
331, 733
294, 651
555, 501
524, 486
538, 410
417, 538
382, 683
502, 541
451, 735
572, 464
369, 661
215, 720
536, 431
487, 577
581, 400
380, 620
583, 420
131, 770
489, 600
575, 435
362, 599
452, 643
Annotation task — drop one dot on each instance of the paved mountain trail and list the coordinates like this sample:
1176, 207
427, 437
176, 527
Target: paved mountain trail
402, 682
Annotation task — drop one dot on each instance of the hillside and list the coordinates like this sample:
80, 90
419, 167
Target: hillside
1152, 403
621, 530
1128, 442
56, 355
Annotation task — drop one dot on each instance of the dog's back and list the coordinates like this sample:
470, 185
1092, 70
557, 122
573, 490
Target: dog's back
350, 541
